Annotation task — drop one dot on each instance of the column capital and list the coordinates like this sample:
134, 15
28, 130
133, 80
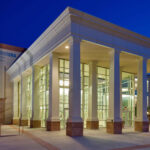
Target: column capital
74, 39
35, 66
143, 59
53, 54
114, 51
23, 74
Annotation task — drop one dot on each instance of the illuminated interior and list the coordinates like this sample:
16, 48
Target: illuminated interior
44, 94
102, 95
29, 97
64, 91
84, 91
128, 99
19, 94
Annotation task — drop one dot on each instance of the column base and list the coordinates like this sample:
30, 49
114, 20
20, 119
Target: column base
114, 127
92, 124
15, 121
74, 128
24, 122
53, 125
141, 126
35, 123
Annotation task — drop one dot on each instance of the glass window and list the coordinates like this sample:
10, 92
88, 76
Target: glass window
102, 95
44, 93
64, 91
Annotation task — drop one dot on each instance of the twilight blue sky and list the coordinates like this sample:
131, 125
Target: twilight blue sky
22, 21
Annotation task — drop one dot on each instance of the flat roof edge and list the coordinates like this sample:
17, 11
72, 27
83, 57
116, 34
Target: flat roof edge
108, 24
12, 48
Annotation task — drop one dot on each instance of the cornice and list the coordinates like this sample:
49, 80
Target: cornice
85, 19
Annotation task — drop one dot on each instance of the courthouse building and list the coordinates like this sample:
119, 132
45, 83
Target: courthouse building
82, 72
8, 54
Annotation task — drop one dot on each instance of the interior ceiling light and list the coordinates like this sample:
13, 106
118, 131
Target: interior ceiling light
67, 47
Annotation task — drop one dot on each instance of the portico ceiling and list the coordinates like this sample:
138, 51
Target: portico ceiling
99, 53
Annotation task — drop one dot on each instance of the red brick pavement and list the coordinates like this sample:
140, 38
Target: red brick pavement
43, 143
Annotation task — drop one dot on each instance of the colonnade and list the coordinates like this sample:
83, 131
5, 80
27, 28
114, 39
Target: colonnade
74, 125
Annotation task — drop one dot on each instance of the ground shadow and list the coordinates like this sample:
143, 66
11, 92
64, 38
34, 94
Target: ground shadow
7, 135
94, 143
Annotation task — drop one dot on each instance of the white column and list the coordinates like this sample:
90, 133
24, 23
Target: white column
92, 121
114, 123
35, 118
24, 120
114, 87
74, 122
32, 99
141, 121
21, 95
53, 122
142, 91
74, 78
15, 102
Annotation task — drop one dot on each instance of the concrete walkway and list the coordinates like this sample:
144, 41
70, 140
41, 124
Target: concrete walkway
39, 139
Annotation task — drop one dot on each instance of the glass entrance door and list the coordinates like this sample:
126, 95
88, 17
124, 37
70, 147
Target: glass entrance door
103, 95
128, 100
127, 118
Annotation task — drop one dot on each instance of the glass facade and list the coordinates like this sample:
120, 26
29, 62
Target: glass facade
64, 91
44, 94
29, 97
128, 99
19, 94
84, 92
102, 95
128, 94
148, 94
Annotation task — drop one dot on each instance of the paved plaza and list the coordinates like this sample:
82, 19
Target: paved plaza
39, 139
